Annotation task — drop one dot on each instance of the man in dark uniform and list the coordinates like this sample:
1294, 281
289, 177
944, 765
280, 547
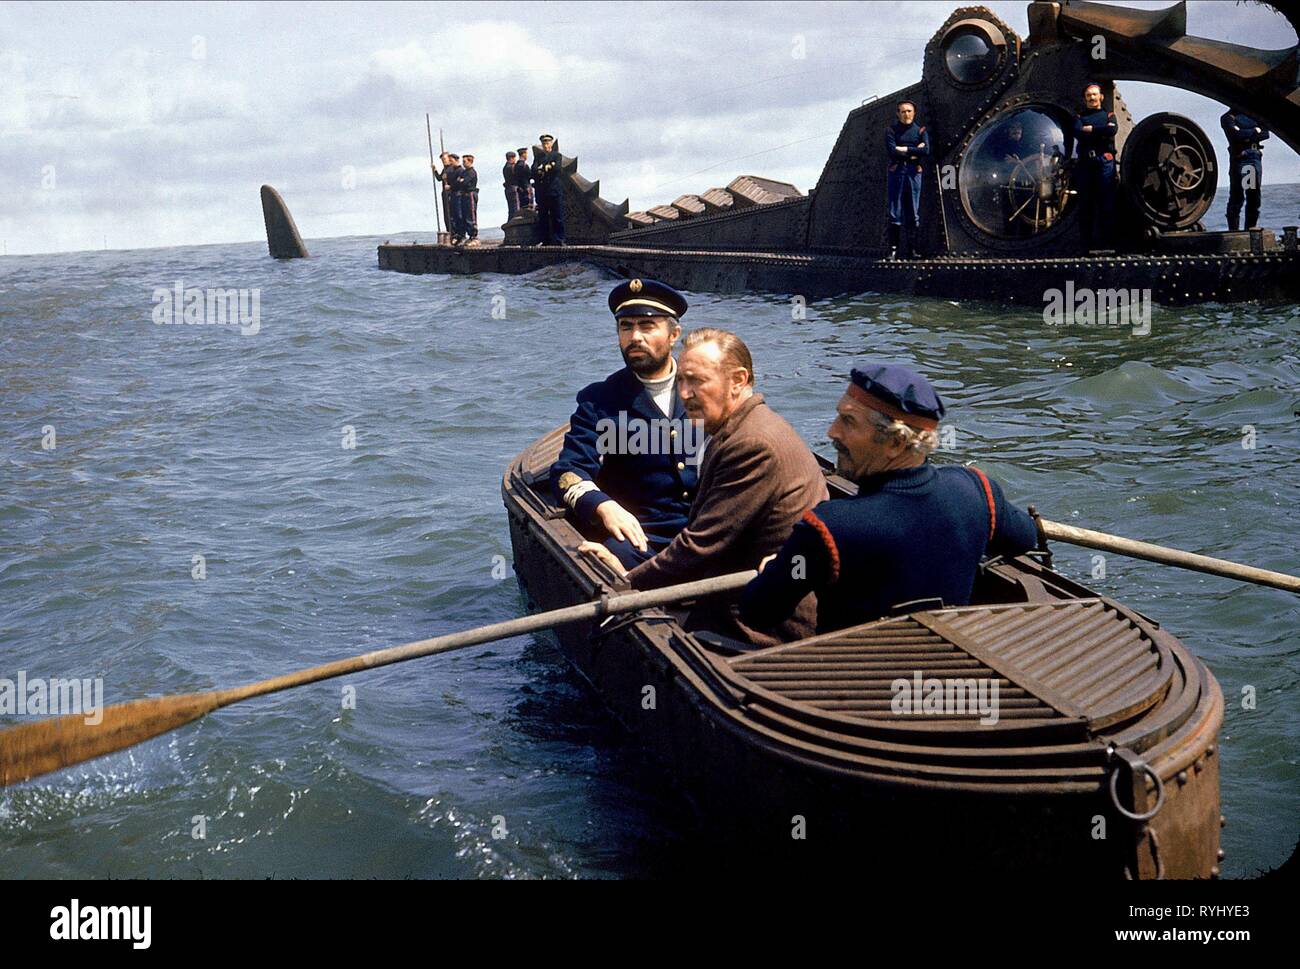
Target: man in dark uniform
450, 165
628, 463
906, 144
1245, 166
510, 184
914, 532
550, 192
523, 181
468, 188
1094, 138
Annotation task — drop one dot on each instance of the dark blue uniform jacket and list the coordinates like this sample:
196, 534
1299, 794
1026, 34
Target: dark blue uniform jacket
917, 533
1243, 140
465, 181
1100, 141
546, 172
911, 136
657, 488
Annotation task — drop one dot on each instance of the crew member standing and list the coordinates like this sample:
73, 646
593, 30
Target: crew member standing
469, 194
1094, 138
906, 144
550, 192
449, 166
523, 181
510, 184
1245, 166
914, 532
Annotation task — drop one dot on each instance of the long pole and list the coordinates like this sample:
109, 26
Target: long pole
48, 745
1168, 556
433, 170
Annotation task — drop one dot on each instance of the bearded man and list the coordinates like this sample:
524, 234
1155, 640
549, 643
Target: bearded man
628, 470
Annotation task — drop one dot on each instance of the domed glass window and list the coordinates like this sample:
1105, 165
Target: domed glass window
1013, 178
969, 56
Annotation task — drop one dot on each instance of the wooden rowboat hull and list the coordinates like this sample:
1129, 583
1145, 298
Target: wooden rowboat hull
794, 754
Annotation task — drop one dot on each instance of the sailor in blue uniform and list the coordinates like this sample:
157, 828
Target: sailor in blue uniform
1094, 138
523, 180
628, 469
550, 192
510, 183
1246, 166
468, 194
906, 144
914, 532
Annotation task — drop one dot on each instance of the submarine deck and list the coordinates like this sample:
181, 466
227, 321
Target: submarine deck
1173, 279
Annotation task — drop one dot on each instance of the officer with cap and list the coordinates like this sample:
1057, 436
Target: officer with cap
628, 469
550, 192
1094, 136
914, 531
1246, 169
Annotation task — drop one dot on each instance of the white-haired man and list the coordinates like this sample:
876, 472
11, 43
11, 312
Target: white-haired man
914, 531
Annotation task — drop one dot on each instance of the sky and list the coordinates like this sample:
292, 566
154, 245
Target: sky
135, 125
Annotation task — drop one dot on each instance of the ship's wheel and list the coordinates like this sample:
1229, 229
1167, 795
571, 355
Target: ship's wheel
1037, 189
1168, 171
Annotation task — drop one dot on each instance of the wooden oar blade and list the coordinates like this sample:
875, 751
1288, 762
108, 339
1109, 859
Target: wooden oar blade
37, 748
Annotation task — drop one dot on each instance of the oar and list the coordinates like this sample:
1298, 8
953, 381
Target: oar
1169, 556
47, 745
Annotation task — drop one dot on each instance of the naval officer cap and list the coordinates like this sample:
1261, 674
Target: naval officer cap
899, 393
646, 297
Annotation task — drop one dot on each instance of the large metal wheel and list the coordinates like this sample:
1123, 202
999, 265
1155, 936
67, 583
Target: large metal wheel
1168, 170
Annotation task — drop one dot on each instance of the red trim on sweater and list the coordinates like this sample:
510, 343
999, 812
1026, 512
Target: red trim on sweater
988, 493
828, 540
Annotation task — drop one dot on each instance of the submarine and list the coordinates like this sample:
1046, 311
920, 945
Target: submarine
1006, 231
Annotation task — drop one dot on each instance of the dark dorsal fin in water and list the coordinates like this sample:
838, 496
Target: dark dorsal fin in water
282, 236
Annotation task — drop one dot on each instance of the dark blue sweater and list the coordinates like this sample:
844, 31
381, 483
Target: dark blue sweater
1101, 139
918, 533
1244, 135
912, 137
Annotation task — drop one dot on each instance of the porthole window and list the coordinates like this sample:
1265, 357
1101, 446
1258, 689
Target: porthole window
972, 52
1013, 178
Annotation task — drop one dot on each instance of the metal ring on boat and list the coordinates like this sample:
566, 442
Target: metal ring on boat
1160, 794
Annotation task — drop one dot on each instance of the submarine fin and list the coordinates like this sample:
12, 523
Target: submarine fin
282, 236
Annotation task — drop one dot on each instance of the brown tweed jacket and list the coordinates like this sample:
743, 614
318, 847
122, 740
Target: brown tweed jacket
757, 480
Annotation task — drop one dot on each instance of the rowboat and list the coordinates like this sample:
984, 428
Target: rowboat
1099, 759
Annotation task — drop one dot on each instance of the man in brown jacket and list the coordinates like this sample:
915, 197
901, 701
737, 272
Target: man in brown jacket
757, 478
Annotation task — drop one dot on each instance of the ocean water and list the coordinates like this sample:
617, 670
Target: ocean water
177, 441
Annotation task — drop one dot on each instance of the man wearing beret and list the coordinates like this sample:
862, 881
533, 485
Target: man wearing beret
550, 192
914, 531
628, 465
757, 477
